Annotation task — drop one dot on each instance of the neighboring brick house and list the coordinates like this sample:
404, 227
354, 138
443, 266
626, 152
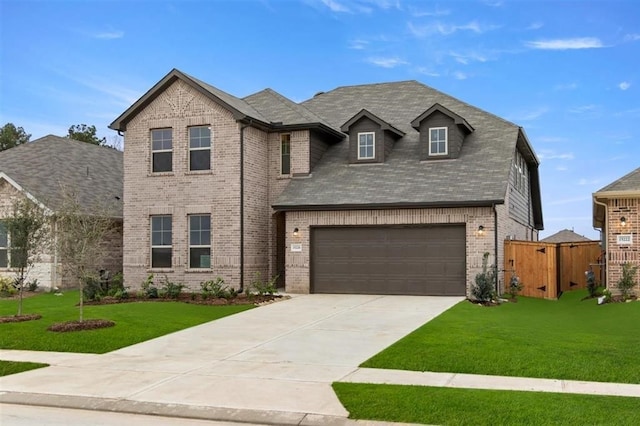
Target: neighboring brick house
616, 212
43, 170
382, 188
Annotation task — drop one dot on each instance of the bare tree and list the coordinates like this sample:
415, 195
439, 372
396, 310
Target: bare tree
29, 237
80, 235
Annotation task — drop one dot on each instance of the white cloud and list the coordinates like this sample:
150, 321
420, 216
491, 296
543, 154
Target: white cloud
549, 154
589, 182
562, 168
565, 86
583, 109
624, 85
535, 26
530, 115
386, 62
108, 35
566, 43
460, 75
421, 31
358, 44
568, 200
334, 6
632, 37
493, 3
465, 58
426, 71
421, 13
552, 139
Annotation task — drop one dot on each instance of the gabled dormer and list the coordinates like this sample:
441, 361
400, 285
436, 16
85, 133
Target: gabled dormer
442, 133
370, 138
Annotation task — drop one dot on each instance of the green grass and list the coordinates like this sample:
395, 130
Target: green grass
12, 367
135, 322
564, 339
449, 406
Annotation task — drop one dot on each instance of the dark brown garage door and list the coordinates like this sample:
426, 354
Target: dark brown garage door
389, 260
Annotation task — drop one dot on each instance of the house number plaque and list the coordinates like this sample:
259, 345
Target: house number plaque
296, 247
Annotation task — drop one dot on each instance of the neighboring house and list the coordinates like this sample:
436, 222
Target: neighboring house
565, 236
616, 212
43, 170
391, 188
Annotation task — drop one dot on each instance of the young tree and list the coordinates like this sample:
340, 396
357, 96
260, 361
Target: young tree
11, 136
84, 133
80, 235
29, 236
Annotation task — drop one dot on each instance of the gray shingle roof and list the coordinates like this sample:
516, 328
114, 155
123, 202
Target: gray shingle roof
276, 107
479, 176
47, 165
628, 182
565, 236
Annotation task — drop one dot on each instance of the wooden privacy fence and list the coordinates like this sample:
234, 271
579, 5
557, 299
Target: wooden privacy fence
548, 269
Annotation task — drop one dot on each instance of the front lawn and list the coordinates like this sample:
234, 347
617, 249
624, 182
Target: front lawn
12, 367
564, 339
449, 406
135, 322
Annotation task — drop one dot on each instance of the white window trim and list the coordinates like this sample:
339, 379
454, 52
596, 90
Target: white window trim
154, 151
198, 245
8, 249
373, 150
159, 246
446, 141
207, 148
280, 158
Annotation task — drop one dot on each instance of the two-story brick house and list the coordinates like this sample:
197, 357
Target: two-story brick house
383, 188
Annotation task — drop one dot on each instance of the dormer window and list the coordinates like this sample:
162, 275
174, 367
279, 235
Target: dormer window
366, 146
438, 141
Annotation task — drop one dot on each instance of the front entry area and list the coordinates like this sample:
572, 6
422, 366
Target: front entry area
411, 260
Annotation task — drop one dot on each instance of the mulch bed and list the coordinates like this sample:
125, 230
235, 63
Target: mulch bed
90, 324
196, 299
20, 318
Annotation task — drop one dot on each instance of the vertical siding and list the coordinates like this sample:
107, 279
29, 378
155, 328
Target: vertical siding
317, 148
455, 137
366, 125
520, 208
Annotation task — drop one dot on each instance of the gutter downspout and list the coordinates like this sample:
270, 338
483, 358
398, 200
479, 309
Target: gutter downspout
605, 241
242, 204
495, 242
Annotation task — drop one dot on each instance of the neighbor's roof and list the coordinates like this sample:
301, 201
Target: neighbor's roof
46, 166
629, 182
565, 236
479, 176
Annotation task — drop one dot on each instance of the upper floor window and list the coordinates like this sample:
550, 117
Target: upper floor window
200, 241
438, 141
366, 146
285, 154
161, 247
520, 166
162, 150
4, 246
200, 148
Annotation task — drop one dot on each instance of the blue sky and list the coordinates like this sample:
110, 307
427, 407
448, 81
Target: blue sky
568, 72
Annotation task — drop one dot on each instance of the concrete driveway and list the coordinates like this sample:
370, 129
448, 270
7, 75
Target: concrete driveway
282, 357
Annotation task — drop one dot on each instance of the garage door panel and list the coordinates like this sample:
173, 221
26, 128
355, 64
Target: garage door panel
389, 260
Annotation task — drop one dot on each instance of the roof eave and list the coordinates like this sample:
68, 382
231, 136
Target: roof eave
381, 206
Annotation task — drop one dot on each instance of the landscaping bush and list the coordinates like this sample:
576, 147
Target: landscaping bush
216, 289
92, 289
149, 290
592, 284
170, 289
515, 286
6, 287
260, 287
628, 280
484, 288
32, 285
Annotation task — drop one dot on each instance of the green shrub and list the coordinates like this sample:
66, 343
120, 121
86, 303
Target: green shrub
592, 284
116, 284
515, 286
92, 289
149, 290
216, 289
170, 289
628, 280
260, 287
484, 288
6, 287
32, 285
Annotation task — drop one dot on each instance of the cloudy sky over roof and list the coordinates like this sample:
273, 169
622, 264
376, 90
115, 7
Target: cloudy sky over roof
565, 71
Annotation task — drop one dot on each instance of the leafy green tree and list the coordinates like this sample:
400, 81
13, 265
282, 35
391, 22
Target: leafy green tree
11, 136
84, 133
29, 233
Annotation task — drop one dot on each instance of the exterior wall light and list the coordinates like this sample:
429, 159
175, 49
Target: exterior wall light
295, 232
623, 221
480, 230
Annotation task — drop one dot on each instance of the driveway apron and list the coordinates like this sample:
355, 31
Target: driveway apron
279, 357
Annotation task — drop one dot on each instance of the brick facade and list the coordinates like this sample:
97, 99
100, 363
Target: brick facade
619, 254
